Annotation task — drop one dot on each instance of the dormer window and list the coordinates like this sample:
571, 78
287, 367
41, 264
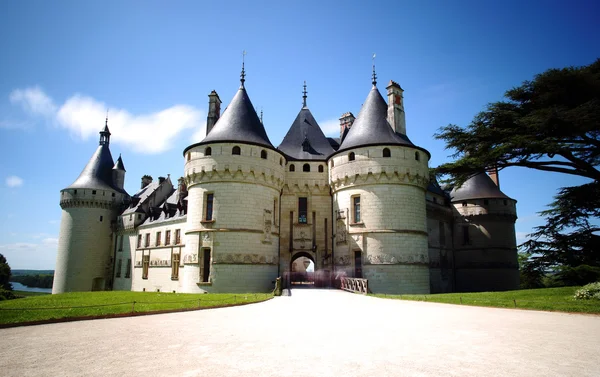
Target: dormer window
208, 151
236, 150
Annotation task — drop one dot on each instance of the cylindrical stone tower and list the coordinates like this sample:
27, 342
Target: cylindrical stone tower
89, 207
234, 178
485, 247
378, 179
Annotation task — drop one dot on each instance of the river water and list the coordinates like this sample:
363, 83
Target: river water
21, 287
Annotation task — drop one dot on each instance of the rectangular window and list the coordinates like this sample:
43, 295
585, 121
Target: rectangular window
121, 243
167, 237
356, 208
177, 236
158, 238
145, 265
209, 207
128, 271
119, 265
139, 243
442, 233
147, 241
466, 239
275, 212
302, 210
175, 266
205, 265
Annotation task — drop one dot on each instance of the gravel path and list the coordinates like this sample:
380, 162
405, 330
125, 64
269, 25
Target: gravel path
313, 333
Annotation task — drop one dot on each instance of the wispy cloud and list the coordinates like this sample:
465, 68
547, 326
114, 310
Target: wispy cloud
199, 134
331, 127
83, 115
19, 246
14, 181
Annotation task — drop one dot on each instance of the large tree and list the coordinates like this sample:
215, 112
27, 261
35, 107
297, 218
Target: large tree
5, 274
551, 123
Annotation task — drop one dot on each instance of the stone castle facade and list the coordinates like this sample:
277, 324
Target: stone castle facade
362, 205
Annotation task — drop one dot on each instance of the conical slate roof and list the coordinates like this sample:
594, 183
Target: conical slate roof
305, 139
239, 123
119, 164
97, 174
479, 186
371, 126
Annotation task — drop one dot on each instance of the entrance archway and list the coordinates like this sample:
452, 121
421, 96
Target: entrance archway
302, 267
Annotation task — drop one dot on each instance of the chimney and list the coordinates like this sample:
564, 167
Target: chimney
346, 121
493, 173
214, 110
161, 180
395, 115
146, 180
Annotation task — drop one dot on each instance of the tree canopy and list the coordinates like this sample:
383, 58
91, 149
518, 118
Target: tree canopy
551, 123
4, 274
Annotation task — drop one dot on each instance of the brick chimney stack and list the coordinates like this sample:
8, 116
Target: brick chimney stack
214, 110
396, 116
346, 121
493, 173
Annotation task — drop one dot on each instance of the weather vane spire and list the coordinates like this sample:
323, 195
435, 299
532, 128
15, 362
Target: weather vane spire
261, 114
243, 75
106, 122
304, 94
374, 74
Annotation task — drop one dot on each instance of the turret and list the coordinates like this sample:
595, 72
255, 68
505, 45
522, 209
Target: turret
395, 112
118, 173
89, 207
214, 110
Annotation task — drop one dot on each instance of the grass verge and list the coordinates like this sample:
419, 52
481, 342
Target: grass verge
82, 305
550, 299
28, 293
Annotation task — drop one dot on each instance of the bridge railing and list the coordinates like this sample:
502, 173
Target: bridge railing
355, 285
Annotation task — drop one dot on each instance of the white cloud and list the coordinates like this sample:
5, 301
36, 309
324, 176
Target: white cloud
82, 116
33, 100
331, 127
18, 246
199, 134
14, 181
50, 241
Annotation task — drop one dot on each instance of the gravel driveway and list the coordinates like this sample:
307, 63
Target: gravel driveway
313, 333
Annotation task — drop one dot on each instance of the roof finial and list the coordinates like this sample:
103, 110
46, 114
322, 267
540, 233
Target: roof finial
304, 94
261, 114
374, 74
106, 122
243, 75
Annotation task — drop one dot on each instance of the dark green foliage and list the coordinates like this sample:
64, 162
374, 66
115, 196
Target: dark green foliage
531, 275
570, 276
6, 295
37, 281
4, 274
551, 123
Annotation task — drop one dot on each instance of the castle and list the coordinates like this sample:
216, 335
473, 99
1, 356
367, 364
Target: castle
362, 205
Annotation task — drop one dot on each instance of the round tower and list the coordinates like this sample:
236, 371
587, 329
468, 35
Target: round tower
378, 179
89, 207
485, 247
234, 177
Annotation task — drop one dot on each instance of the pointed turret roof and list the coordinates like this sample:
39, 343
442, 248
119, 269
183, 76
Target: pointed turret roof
97, 174
371, 126
119, 164
239, 123
478, 186
305, 139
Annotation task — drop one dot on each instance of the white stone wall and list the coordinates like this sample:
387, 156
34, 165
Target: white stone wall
392, 232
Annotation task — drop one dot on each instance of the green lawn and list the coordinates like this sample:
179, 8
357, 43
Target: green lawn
553, 299
90, 304
28, 293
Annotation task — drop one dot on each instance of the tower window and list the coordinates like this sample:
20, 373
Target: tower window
302, 210
205, 273
351, 156
119, 265
128, 270
208, 151
113, 194
177, 236
263, 154
486, 202
139, 243
466, 238
74, 192
464, 204
356, 208
209, 207
189, 156
93, 192
292, 167
386, 152
101, 218
417, 157
505, 202
332, 164
236, 150
320, 168
306, 168
121, 243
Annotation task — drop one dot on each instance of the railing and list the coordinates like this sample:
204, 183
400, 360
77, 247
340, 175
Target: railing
355, 285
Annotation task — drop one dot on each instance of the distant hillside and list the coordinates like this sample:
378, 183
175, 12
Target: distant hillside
32, 272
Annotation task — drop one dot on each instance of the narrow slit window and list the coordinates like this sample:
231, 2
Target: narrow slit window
356, 208
209, 207
302, 210
351, 156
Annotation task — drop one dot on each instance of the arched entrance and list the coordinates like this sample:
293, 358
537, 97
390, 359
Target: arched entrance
302, 267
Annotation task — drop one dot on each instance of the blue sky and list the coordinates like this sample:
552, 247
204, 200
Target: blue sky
154, 63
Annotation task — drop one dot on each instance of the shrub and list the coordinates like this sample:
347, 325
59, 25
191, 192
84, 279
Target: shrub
589, 291
6, 295
580, 275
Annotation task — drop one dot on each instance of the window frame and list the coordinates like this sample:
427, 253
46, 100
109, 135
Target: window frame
303, 200
356, 209
209, 205
236, 150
